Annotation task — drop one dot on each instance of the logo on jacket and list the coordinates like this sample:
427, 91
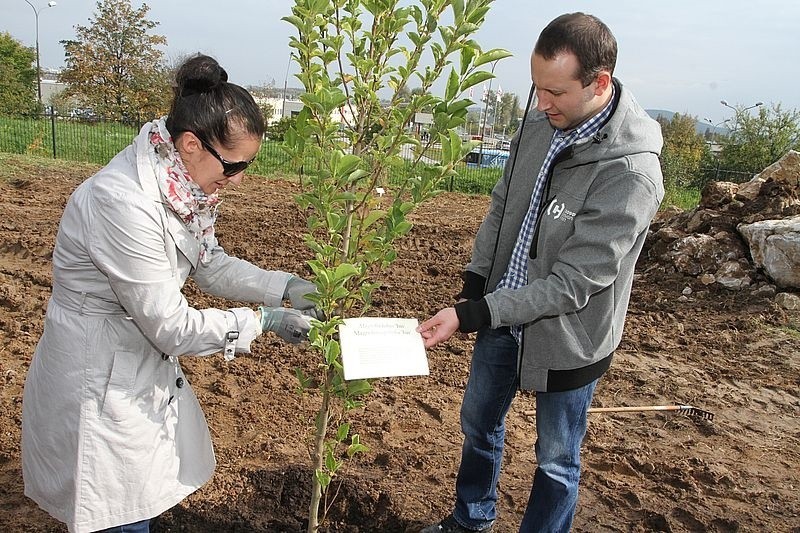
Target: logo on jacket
558, 210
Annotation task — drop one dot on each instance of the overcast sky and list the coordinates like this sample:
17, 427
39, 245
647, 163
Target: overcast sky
681, 55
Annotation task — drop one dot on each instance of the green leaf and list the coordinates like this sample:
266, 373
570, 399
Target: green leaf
356, 448
332, 352
357, 175
447, 151
319, 6
323, 478
344, 271
403, 228
330, 462
492, 55
297, 22
458, 10
455, 145
342, 432
347, 163
373, 217
475, 78
358, 387
452, 86
302, 379
467, 55
459, 105
476, 16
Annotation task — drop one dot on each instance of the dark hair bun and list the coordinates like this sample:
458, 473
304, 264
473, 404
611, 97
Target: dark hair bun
199, 74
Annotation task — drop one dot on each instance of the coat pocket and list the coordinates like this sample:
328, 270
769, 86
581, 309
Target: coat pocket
119, 392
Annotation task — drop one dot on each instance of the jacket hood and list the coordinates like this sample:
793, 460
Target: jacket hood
628, 131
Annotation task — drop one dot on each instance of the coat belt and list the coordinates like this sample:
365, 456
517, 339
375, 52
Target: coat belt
86, 304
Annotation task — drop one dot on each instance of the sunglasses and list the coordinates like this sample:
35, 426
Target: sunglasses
229, 168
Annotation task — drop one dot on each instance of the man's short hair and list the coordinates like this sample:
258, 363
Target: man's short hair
585, 36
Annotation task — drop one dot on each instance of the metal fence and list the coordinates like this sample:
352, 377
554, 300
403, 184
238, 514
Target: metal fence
721, 174
95, 140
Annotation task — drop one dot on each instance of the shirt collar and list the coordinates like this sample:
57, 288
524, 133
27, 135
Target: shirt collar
591, 125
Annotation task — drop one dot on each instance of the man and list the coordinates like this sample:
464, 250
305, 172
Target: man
549, 281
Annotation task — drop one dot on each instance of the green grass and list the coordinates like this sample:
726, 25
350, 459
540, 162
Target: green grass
792, 330
18, 166
468, 180
99, 142
95, 142
683, 198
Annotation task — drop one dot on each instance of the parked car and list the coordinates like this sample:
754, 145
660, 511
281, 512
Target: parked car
503, 145
486, 158
86, 113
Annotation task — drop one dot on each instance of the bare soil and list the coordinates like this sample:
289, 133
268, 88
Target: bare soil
733, 354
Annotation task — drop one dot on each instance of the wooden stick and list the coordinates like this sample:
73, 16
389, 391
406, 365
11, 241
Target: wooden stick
640, 408
688, 409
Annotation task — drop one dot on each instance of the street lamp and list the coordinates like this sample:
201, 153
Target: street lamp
285, 83
718, 124
738, 112
486, 112
726, 104
38, 68
715, 134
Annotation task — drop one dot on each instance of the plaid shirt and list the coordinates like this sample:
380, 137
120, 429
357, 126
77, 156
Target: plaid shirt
516, 275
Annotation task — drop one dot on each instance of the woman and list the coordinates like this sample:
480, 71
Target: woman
112, 434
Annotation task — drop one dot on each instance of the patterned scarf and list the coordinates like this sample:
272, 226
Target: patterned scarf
182, 195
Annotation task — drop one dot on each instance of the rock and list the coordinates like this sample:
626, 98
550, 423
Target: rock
689, 253
731, 224
775, 247
698, 254
788, 301
749, 191
785, 170
718, 193
701, 218
707, 279
733, 275
764, 291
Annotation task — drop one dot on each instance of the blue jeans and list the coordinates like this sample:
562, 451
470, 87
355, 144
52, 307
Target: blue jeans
560, 428
136, 527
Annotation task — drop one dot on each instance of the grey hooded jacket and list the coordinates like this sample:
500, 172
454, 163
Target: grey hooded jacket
597, 206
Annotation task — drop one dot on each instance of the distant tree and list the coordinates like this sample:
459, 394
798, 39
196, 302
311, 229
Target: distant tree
473, 121
509, 113
757, 141
17, 76
404, 95
501, 115
114, 66
419, 92
277, 130
267, 111
683, 152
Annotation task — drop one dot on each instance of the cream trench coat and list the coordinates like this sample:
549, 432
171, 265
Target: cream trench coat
112, 433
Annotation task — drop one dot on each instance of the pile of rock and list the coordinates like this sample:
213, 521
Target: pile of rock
741, 236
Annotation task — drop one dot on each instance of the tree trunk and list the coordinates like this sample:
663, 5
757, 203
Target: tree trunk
323, 416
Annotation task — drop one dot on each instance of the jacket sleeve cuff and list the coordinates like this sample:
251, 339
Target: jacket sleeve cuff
473, 315
473, 286
247, 326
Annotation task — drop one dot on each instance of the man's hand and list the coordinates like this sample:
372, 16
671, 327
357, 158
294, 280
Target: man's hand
439, 328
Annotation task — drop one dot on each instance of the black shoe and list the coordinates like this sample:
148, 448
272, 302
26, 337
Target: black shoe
449, 525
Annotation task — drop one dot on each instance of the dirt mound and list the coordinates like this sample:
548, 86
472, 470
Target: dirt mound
733, 353
707, 241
